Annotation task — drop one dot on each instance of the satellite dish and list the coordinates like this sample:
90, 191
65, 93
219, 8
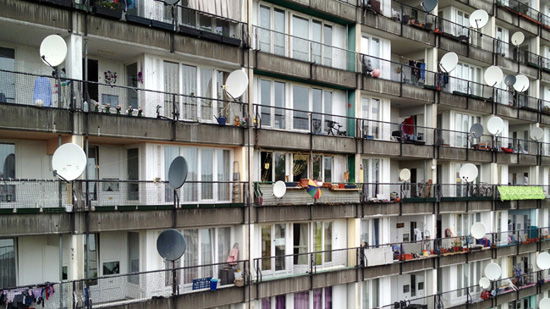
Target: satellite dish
405, 174
429, 5
53, 50
468, 172
544, 303
177, 172
484, 283
448, 62
236, 83
171, 244
171, 2
478, 19
493, 75
69, 161
476, 130
536, 134
279, 189
517, 38
495, 125
522, 83
493, 271
510, 80
478, 230
543, 261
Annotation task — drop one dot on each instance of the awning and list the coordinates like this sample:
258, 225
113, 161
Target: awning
509, 193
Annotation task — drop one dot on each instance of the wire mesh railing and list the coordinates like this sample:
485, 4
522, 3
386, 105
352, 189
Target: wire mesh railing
32, 193
114, 288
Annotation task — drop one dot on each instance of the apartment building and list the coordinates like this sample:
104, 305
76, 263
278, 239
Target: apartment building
348, 93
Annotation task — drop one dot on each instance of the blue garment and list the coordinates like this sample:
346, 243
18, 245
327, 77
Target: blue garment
43, 91
422, 70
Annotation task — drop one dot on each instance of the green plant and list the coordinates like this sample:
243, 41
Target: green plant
110, 4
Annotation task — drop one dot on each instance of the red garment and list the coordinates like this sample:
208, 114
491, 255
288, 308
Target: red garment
408, 126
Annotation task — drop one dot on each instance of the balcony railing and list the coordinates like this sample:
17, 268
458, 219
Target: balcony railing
31, 193
122, 289
114, 99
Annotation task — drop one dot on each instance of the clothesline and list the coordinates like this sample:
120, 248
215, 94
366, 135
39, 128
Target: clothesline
24, 297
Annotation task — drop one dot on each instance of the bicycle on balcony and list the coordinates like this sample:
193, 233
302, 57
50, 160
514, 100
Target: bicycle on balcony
334, 128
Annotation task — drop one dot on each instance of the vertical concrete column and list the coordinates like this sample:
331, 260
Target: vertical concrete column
76, 262
73, 62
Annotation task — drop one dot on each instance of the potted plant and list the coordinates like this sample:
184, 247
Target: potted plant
130, 110
108, 9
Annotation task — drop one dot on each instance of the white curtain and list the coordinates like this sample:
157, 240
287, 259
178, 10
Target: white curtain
225, 8
385, 51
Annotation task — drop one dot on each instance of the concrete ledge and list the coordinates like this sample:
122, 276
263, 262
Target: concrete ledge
528, 115
417, 208
479, 255
528, 204
209, 134
381, 209
265, 214
328, 9
283, 286
506, 15
39, 119
453, 259
506, 251
35, 13
34, 224
417, 265
417, 151
300, 141
527, 248
386, 148
507, 158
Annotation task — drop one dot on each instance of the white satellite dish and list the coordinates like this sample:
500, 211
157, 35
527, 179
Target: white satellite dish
484, 283
69, 161
53, 50
536, 134
493, 75
478, 19
468, 172
448, 62
236, 83
543, 261
478, 230
405, 174
495, 125
476, 130
279, 189
522, 83
493, 271
517, 38
544, 303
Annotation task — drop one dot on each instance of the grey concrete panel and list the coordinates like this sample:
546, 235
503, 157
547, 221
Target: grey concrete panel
334, 278
373, 147
530, 71
454, 101
545, 203
479, 105
454, 45
545, 35
417, 265
450, 153
382, 23
483, 55
507, 158
380, 86
209, 134
283, 286
419, 35
203, 48
334, 212
282, 213
545, 245
452, 207
381, 271
129, 127
419, 94
506, 111
480, 255
282, 140
34, 224
380, 209
475, 206
505, 298
525, 159
417, 151
36, 118
510, 17
527, 248
507, 64
453, 259
506, 251
333, 144
528, 115
333, 76
35, 13
525, 292
545, 119
417, 208
299, 196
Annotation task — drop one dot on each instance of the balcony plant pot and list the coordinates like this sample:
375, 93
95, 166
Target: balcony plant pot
134, 19
341, 185
190, 31
109, 13
304, 182
162, 25
207, 35
231, 41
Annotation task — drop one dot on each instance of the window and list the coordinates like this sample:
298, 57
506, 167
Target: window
370, 112
171, 86
7, 170
272, 99
7, 260
322, 168
273, 243
133, 257
210, 167
372, 176
322, 241
91, 244
111, 268
272, 32
301, 243
370, 293
300, 164
273, 166
7, 87
463, 123
467, 79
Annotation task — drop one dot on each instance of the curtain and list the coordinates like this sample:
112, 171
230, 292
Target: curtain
171, 85
207, 174
7, 260
266, 303
189, 76
302, 245
318, 299
385, 52
189, 192
280, 302
190, 258
225, 8
170, 153
223, 158
328, 298
224, 235
206, 91
301, 300
206, 251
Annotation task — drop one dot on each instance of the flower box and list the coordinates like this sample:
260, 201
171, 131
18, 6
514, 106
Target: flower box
162, 25
134, 19
108, 13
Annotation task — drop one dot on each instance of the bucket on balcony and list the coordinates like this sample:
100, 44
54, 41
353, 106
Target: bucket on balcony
213, 284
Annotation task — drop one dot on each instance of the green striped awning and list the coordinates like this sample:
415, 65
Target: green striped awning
510, 193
